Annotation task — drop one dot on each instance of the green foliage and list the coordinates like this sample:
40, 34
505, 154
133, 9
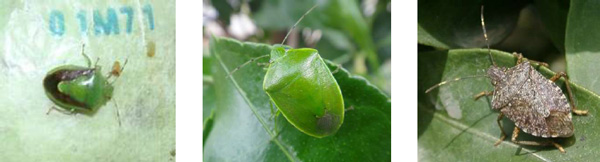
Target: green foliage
242, 126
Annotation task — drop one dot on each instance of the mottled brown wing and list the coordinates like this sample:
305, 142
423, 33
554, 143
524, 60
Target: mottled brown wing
560, 124
550, 101
549, 94
526, 118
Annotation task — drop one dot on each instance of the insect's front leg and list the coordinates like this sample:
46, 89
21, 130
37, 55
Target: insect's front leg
50, 109
336, 69
87, 58
484, 93
349, 108
575, 110
264, 64
69, 112
520, 59
534, 143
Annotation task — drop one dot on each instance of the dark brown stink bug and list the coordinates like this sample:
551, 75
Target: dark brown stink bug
535, 104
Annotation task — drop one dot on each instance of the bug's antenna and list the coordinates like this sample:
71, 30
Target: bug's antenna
244, 64
453, 80
293, 27
486, 38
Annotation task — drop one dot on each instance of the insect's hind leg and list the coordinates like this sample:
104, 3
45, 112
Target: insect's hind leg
534, 143
483, 93
274, 116
571, 101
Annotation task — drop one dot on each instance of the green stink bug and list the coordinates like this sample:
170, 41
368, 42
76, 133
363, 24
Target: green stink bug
79, 89
303, 88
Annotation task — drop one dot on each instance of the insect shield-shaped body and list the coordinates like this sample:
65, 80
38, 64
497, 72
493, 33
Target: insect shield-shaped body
534, 103
304, 90
78, 88
301, 86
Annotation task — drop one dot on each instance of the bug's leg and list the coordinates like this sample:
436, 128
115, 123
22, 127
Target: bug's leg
501, 129
519, 57
66, 112
87, 58
50, 109
263, 64
534, 143
275, 126
272, 110
274, 115
349, 108
483, 93
118, 116
244, 64
539, 63
575, 110
336, 70
559, 147
97, 60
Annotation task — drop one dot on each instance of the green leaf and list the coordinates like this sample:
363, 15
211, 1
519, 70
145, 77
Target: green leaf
582, 44
244, 122
452, 126
457, 24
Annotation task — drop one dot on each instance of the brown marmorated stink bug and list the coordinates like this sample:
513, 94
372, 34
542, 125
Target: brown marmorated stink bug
535, 104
